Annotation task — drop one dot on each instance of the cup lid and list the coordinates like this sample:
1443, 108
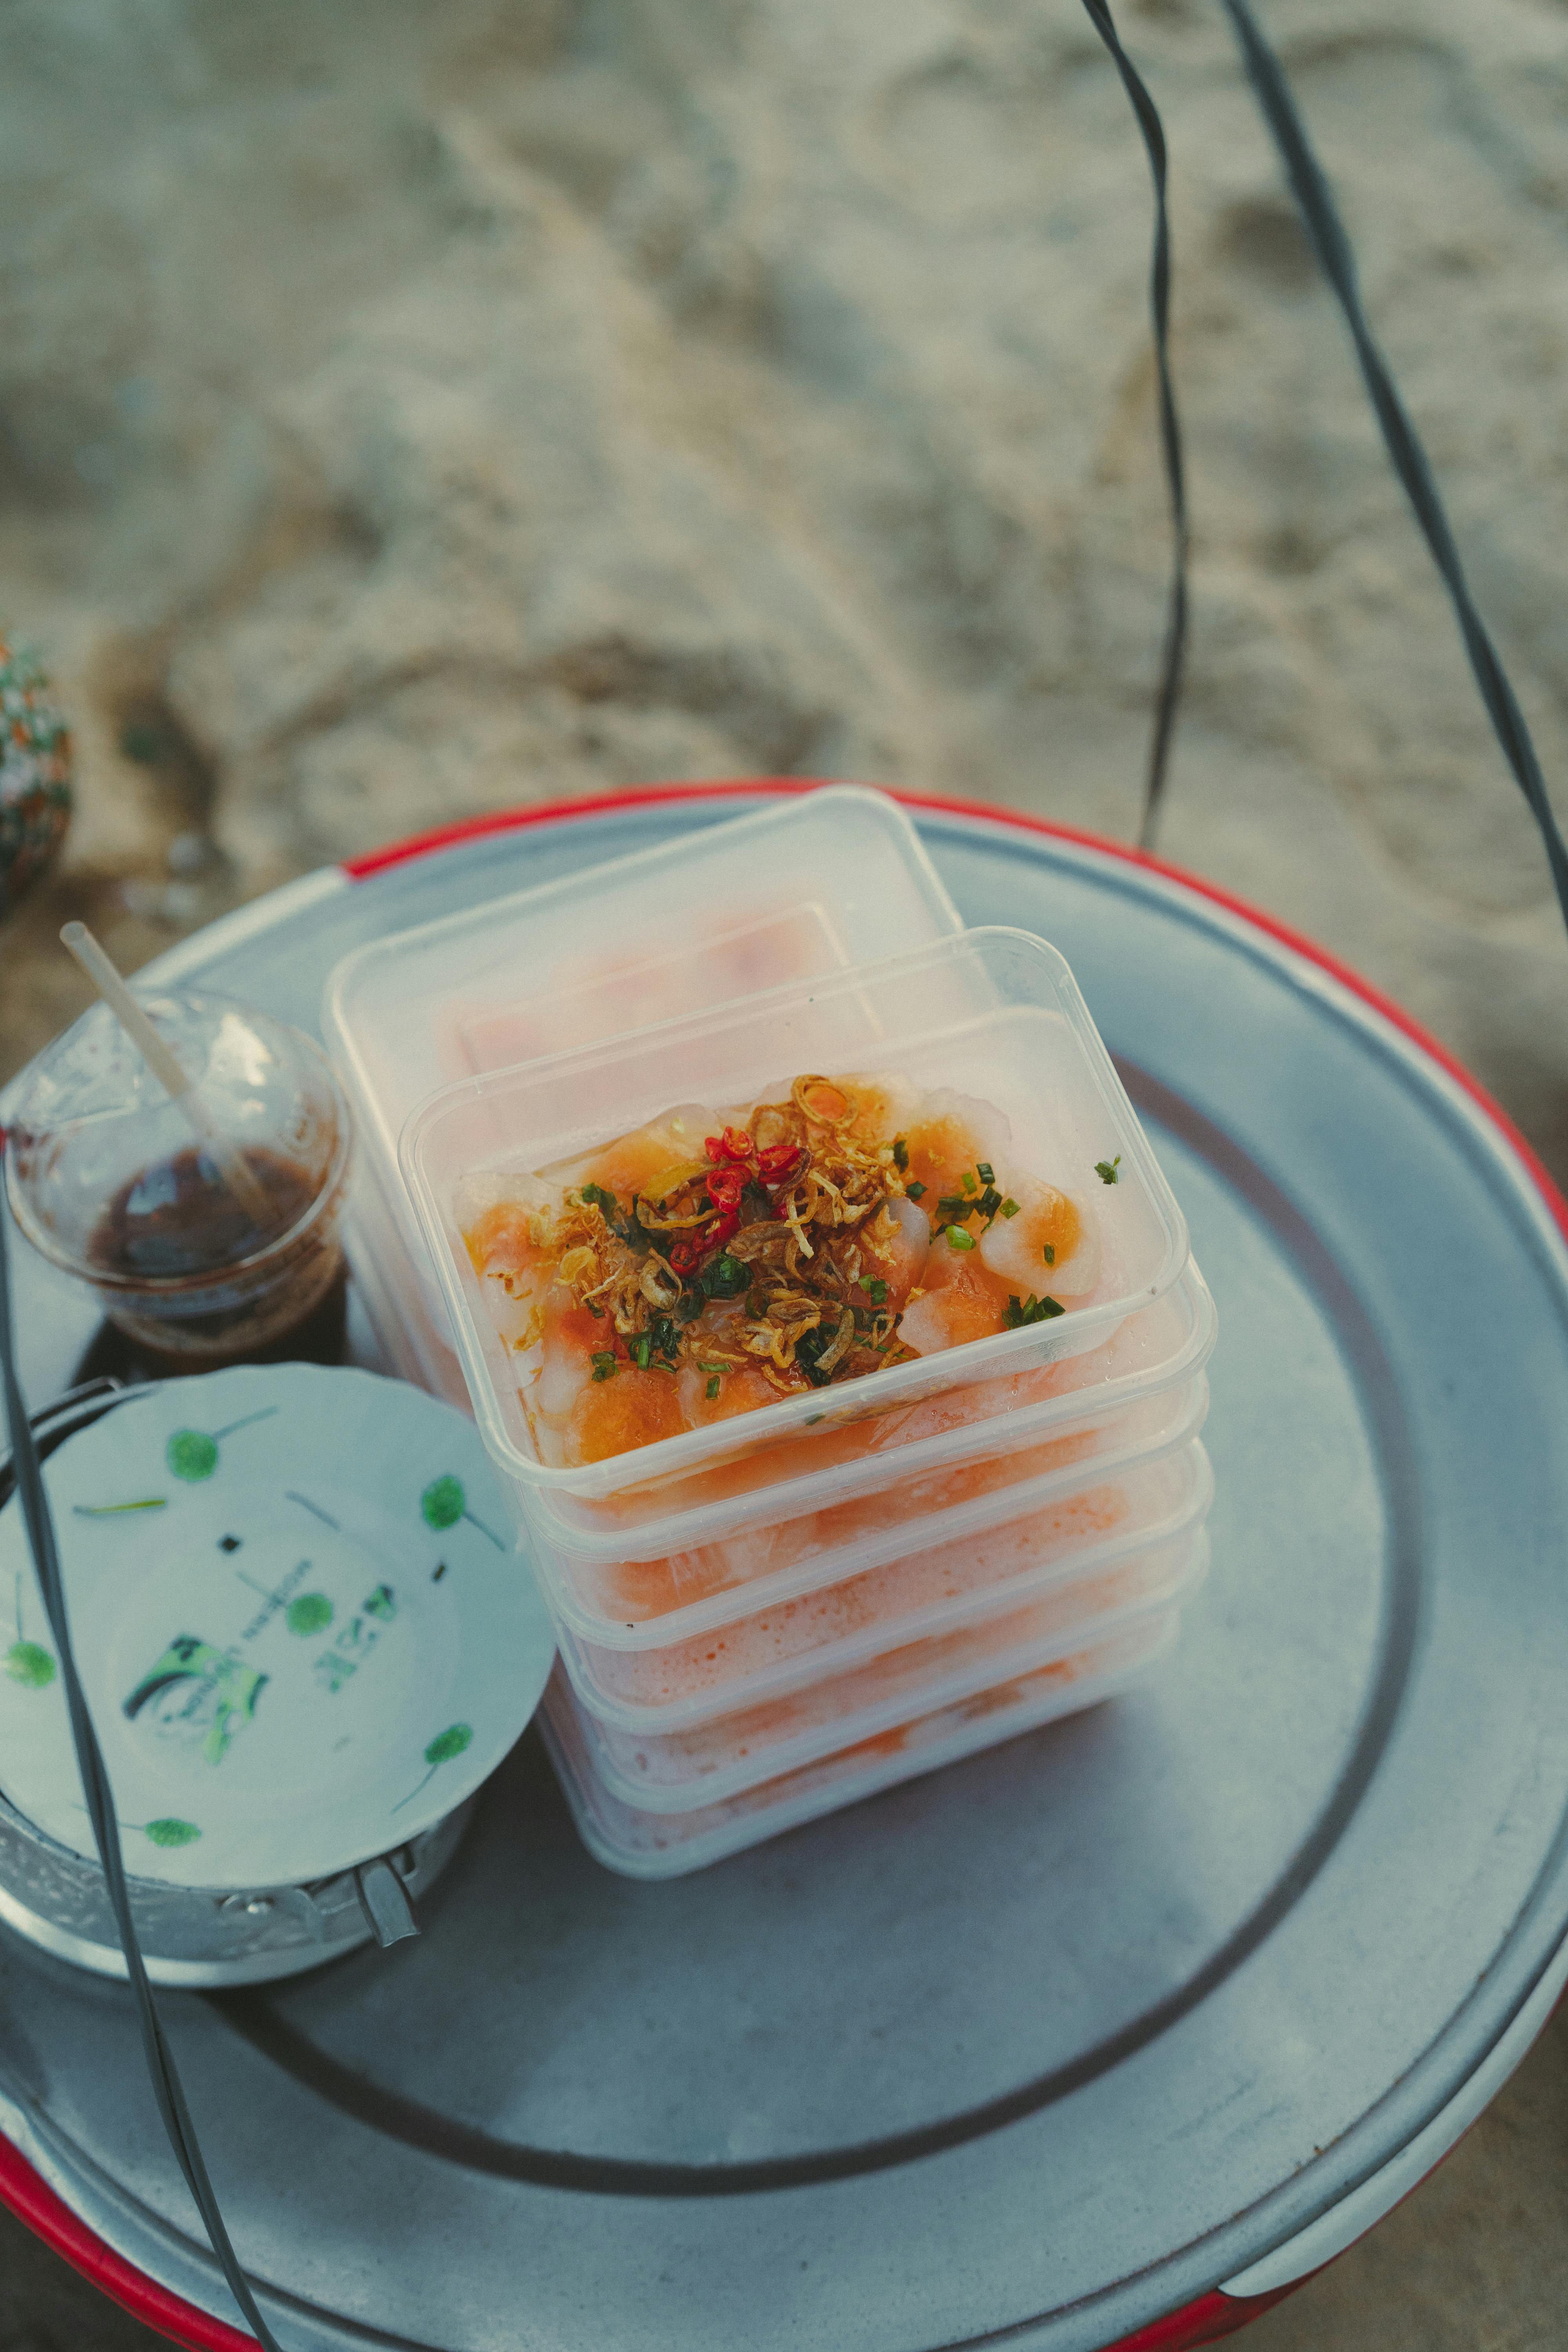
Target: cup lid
303, 1629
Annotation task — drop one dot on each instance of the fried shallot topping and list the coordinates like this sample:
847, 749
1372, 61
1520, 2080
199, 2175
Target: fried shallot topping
786, 1217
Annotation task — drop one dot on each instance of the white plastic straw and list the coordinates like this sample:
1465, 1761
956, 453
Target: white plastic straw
160, 1060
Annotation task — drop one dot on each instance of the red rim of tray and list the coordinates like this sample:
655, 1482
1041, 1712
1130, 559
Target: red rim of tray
1212, 2316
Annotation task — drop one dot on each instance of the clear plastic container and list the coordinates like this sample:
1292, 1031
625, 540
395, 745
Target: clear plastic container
641, 1842
643, 1606
1085, 1538
817, 884
412, 1328
680, 1770
992, 1014
1156, 1350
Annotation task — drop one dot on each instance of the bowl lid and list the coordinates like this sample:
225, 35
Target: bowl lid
302, 1625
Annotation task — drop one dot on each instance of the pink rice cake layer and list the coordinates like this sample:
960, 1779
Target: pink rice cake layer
632, 1835
674, 1761
1144, 1342
640, 1591
1141, 1497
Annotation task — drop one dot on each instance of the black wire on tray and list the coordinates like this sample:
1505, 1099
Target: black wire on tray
1174, 658
1406, 453
99, 1799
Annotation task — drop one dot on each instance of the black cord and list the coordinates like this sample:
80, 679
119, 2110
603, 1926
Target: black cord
1403, 444
99, 1797
1175, 655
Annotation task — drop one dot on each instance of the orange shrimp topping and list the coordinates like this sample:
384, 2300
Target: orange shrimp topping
679, 1276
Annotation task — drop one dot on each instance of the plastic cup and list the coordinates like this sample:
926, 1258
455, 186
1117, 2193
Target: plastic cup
109, 1178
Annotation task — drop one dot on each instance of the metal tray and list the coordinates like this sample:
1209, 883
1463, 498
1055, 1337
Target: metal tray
1147, 2012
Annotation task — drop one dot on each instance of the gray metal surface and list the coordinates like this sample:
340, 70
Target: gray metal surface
1054, 2041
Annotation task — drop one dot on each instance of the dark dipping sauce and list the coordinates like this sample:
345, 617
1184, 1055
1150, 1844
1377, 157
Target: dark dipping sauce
177, 1222
178, 1217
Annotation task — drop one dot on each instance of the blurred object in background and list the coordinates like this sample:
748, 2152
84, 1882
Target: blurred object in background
409, 413
35, 772
138, 863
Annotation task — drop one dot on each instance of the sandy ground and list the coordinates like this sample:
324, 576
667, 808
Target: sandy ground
406, 412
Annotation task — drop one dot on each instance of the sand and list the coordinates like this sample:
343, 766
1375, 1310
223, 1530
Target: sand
411, 411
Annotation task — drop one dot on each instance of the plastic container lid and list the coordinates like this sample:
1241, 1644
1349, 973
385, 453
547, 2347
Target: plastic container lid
1158, 1348
833, 878
993, 1015
1090, 1533
641, 1843
680, 1771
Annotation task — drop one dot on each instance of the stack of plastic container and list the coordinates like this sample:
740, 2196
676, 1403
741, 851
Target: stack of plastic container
817, 885
771, 1616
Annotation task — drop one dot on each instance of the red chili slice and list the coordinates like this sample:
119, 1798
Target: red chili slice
734, 1144
725, 1187
778, 1161
717, 1236
684, 1257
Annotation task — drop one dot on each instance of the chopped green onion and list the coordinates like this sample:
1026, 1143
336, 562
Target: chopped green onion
1009, 1207
598, 1198
1034, 1310
901, 1153
666, 1339
915, 1191
604, 1363
968, 1182
634, 1234
807, 1348
983, 1170
712, 1388
1051, 1253
877, 1292
725, 1278
958, 1239
643, 1351
1105, 1169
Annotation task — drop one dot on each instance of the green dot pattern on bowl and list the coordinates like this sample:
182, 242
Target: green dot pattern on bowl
192, 1454
449, 1743
27, 1664
443, 1503
309, 1614
171, 1832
